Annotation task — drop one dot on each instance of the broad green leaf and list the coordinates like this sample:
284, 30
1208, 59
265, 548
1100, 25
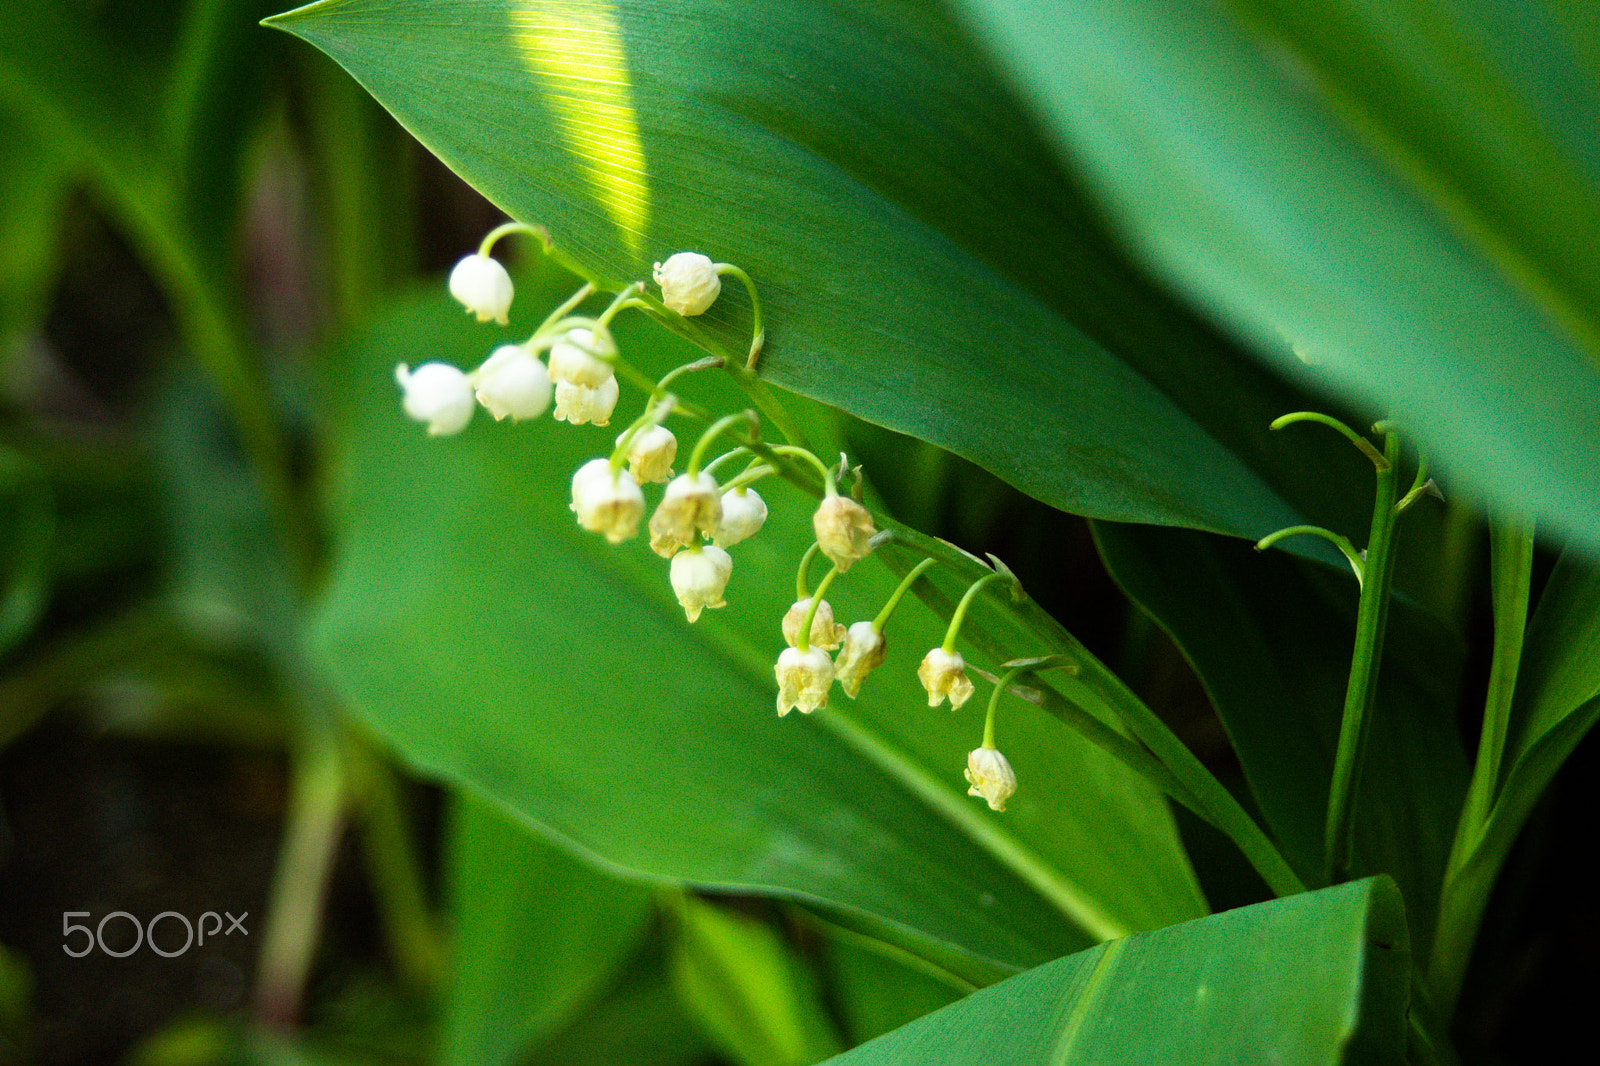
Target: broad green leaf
1270, 638
924, 264
496, 644
750, 991
1319, 978
1402, 256
536, 934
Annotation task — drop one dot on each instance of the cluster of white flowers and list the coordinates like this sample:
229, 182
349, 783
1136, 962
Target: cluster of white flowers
696, 519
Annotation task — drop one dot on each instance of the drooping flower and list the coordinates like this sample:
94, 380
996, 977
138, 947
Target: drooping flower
699, 575
944, 673
991, 777
844, 529
578, 404
438, 395
690, 505
512, 382
689, 282
612, 505
650, 454
573, 359
804, 678
744, 512
483, 287
863, 651
825, 632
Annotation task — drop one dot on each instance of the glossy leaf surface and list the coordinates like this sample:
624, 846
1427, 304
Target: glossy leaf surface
954, 286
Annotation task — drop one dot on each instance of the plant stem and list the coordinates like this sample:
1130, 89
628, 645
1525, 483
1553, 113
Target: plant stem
1372, 615
312, 830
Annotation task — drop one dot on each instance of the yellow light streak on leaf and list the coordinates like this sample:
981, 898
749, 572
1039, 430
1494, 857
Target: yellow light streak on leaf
576, 51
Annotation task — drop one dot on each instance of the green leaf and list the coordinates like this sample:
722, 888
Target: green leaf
1269, 636
1557, 701
752, 994
496, 644
923, 262
1351, 186
1309, 979
536, 933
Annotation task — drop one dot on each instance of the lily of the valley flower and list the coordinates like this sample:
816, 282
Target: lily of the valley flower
689, 282
803, 680
991, 777
512, 382
650, 454
844, 529
690, 505
438, 395
825, 632
699, 576
863, 651
607, 503
944, 673
573, 359
579, 404
483, 287
744, 512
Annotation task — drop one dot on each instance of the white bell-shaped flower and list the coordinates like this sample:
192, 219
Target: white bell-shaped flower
804, 678
825, 632
689, 282
573, 359
744, 512
692, 504
650, 454
578, 404
438, 395
699, 576
991, 777
612, 505
863, 652
844, 529
483, 287
512, 382
944, 673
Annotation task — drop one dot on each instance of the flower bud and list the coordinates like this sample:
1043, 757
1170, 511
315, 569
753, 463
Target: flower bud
577, 404
699, 576
437, 394
944, 673
744, 512
843, 529
483, 287
991, 777
825, 632
650, 454
573, 359
513, 382
803, 680
863, 652
689, 282
607, 504
690, 504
